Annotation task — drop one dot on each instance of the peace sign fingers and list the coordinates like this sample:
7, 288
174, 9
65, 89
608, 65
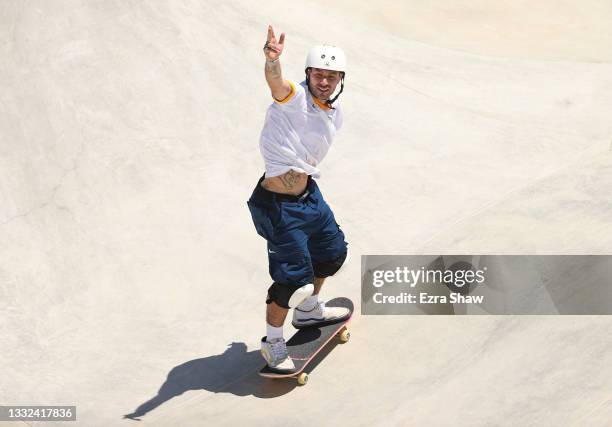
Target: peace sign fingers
273, 48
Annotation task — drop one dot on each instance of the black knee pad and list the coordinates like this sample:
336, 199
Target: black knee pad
329, 268
288, 296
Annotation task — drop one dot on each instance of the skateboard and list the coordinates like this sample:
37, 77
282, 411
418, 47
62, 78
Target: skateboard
306, 343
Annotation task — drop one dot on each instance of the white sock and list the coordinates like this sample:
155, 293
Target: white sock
309, 303
273, 332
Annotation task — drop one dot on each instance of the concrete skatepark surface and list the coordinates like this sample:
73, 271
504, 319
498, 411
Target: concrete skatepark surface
131, 276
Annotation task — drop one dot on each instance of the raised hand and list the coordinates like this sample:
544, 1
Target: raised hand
273, 48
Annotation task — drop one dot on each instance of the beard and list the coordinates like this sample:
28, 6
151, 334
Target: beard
323, 95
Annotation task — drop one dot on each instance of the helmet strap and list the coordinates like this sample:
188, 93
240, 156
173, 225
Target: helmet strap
331, 101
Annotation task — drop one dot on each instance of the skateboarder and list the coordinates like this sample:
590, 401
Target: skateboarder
305, 243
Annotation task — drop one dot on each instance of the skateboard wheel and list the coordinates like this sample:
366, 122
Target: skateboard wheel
345, 335
303, 378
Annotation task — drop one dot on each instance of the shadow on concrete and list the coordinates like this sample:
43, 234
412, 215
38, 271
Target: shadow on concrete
234, 371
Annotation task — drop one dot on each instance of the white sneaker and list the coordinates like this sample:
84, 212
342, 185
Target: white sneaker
318, 316
275, 353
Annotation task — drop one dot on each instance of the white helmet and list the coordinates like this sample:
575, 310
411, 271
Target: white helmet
327, 58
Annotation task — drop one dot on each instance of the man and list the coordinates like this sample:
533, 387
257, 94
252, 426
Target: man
305, 244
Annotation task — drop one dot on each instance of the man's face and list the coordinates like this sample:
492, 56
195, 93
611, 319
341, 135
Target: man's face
323, 82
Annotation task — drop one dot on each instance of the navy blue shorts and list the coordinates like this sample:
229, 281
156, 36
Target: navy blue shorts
301, 232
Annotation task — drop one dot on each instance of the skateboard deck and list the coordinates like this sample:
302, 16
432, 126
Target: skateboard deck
304, 345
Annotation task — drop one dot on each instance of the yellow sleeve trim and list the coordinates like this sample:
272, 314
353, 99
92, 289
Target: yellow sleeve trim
288, 97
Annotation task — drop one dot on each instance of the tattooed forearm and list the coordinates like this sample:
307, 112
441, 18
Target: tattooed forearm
273, 71
290, 179
280, 89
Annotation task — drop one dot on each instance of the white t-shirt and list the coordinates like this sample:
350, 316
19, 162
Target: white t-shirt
298, 132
